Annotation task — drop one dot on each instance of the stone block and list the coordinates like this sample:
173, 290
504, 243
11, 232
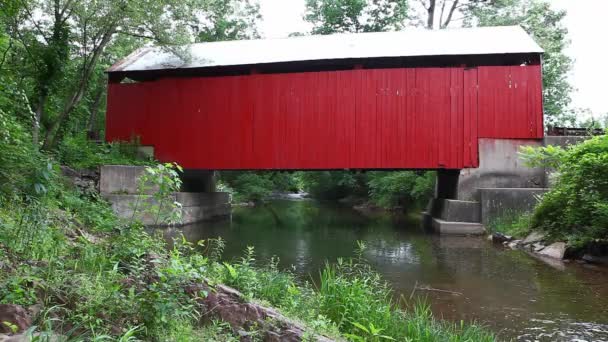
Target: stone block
119, 179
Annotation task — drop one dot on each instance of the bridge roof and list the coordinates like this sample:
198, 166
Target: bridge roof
408, 43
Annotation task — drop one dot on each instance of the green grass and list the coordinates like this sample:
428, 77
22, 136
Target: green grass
517, 225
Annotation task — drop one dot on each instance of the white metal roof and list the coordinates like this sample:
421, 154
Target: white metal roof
411, 42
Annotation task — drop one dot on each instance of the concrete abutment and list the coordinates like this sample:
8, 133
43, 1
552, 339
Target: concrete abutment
502, 187
199, 200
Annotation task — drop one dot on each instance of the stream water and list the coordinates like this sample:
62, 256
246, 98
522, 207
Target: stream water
519, 297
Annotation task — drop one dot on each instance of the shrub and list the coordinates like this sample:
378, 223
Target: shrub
576, 208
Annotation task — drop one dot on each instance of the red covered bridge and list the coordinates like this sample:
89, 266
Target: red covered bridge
399, 100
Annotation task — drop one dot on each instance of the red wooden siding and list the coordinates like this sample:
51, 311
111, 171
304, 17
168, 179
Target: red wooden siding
510, 102
409, 118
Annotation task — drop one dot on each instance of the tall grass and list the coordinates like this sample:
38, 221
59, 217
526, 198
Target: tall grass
350, 300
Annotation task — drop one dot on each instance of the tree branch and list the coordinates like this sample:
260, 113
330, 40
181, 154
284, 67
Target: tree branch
442, 10
10, 45
136, 35
36, 25
450, 14
430, 23
88, 67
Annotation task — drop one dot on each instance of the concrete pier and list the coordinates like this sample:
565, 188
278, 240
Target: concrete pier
118, 185
468, 200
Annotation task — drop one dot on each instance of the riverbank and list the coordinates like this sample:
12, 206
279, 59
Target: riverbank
71, 268
468, 278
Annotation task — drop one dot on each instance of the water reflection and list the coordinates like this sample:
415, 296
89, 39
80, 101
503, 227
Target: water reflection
518, 296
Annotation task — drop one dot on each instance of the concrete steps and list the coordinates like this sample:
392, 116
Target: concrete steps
457, 228
456, 210
454, 217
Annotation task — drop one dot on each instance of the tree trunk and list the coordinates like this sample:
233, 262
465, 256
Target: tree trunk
447, 21
37, 117
430, 21
89, 66
93, 133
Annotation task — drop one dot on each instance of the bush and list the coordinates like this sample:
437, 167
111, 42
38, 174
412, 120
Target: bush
576, 208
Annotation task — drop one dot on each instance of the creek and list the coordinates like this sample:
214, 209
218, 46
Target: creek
517, 296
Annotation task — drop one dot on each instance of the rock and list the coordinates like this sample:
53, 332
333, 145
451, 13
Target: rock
500, 238
533, 237
32, 337
229, 305
537, 247
555, 250
593, 259
514, 244
13, 338
86, 181
16, 316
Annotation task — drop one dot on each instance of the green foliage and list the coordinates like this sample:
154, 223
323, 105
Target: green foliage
248, 186
80, 153
59, 50
162, 181
256, 186
24, 171
576, 208
514, 224
334, 184
390, 189
331, 16
230, 20
351, 300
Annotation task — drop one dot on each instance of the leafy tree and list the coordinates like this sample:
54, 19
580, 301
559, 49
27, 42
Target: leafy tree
392, 188
334, 16
334, 184
230, 20
59, 48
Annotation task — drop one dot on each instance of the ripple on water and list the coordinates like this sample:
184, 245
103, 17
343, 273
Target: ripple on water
564, 330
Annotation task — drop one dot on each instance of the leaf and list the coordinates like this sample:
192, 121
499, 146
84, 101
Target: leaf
360, 326
231, 270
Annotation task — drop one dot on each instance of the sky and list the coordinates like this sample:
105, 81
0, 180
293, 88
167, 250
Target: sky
584, 22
